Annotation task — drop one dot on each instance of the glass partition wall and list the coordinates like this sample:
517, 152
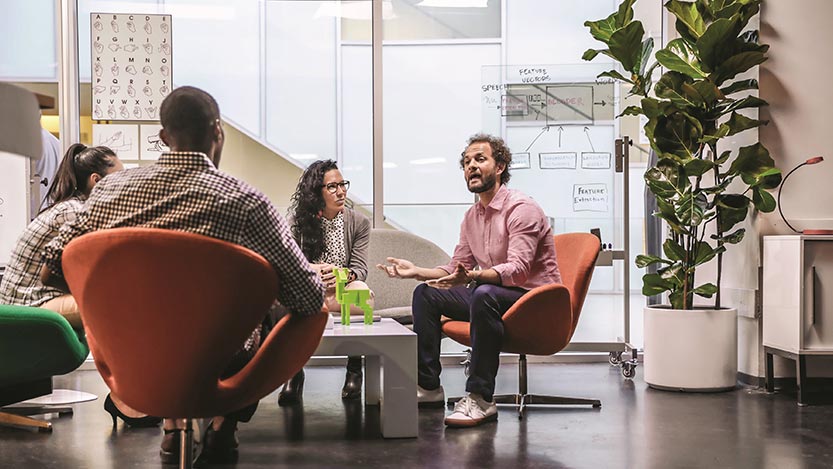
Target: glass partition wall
297, 77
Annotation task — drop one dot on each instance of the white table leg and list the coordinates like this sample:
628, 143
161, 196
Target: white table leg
398, 413
372, 382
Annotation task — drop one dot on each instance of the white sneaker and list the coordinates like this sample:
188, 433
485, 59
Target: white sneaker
430, 397
471, 411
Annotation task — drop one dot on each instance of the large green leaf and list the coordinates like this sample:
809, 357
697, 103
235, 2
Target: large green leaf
691, 208
673, 250
704, 252
705, 91
644, 260
763, 200
677, 134
755, 166
615, 75
706, 290
678, 57
731, 210
732, 238
734, 105
741, 85
631, 111
736, 65
670, 87
698, 166
673, 273
601, 30
653, 284
644, 56
624, 14
738, 123
714, 46
666, 212
626, 46
688, 15
660, 184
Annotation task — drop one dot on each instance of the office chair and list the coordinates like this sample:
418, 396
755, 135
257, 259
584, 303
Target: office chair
543, 321
165, 311
35, 345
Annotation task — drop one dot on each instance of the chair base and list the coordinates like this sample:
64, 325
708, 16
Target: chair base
522, 399
17, 417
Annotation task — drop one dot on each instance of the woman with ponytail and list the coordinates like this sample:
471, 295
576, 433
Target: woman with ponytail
80, 169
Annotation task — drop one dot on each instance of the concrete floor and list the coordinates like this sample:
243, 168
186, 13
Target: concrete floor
636, 427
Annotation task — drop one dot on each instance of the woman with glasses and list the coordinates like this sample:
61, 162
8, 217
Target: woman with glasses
330, 235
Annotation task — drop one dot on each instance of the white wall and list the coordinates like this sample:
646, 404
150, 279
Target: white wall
795, 81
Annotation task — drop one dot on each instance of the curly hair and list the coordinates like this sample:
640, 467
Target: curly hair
500, 152
306, 206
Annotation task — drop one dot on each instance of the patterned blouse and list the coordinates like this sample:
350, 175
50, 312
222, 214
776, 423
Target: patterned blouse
334, 251
21, 283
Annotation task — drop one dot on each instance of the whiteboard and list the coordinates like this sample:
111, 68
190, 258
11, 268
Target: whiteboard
123, 139
14, 201
132, 65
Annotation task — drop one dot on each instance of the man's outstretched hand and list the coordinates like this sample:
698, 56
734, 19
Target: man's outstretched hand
398, 268
460, 276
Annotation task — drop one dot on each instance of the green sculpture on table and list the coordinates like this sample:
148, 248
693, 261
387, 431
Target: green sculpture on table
347, 298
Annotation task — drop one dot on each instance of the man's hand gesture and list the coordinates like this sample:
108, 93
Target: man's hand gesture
398, 268
460, 276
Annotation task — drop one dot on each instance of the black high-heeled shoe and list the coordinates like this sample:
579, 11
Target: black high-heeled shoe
146, 421
293, 390
353, 379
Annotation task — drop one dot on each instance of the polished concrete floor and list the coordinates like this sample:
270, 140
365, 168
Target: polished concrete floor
636, 427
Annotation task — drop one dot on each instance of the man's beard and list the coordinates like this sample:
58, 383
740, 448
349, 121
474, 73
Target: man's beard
486, 184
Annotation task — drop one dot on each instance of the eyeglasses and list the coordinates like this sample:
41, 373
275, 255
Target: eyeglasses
332, 187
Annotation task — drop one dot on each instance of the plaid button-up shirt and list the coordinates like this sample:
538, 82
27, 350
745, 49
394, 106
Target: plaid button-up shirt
21, 283
184, 191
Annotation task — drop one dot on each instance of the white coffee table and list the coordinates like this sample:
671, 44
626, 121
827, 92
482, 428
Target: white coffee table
390, 369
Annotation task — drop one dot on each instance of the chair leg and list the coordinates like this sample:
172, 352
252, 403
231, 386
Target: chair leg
13, 420
186, 443
558, 400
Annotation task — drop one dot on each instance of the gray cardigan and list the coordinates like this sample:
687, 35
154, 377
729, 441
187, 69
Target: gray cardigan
356, 241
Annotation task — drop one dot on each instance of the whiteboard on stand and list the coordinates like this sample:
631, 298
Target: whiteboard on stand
14, 201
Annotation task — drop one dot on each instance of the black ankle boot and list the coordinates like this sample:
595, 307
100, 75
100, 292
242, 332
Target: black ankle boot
293, 390
353, 380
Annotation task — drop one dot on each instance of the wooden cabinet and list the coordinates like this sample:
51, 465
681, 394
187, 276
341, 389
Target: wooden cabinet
797, 301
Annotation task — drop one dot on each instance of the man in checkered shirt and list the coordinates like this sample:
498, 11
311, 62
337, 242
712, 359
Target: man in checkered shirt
185, 191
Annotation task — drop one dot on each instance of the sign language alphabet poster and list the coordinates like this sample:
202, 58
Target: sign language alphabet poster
132, 65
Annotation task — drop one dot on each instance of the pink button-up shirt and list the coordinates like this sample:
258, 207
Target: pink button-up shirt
510, 235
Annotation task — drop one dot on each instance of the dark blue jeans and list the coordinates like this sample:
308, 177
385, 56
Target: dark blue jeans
483, 307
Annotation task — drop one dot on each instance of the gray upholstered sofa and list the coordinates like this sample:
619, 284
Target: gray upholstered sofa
393, 296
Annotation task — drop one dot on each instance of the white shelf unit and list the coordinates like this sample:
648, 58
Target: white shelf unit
797, 301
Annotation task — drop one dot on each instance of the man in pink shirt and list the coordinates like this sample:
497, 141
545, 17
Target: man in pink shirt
507, 236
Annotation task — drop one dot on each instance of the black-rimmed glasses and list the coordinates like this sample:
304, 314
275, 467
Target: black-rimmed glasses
332, 187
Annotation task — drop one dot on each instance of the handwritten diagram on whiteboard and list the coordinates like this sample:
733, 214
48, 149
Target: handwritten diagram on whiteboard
132, 65
122, 139
150, 141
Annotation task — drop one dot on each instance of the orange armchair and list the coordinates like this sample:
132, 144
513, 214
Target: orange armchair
165, 311
543, 321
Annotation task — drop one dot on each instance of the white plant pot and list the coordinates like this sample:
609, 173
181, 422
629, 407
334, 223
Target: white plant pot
691, 350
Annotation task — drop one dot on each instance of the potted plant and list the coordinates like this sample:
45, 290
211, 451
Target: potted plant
703, 190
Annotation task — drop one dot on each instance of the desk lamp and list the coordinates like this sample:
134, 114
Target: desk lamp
813, 160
